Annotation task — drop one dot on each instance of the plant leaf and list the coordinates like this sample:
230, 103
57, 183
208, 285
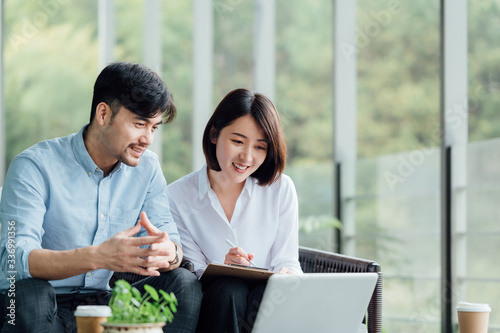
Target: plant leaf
123, 284
152, 292
135, 302
136, 293
174, 298
129, 306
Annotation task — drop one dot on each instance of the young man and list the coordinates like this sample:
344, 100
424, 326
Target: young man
78, 208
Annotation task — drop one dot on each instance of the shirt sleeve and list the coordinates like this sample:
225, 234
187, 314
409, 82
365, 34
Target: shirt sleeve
192, 250
21, 215
157, 207
286, 245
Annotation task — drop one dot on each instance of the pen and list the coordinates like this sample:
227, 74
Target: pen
232, 245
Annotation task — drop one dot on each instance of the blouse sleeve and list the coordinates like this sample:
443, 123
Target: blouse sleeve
285, 251
191, 250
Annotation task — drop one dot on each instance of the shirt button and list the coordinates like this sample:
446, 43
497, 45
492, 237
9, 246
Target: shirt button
102, 215
89, 274
90, 173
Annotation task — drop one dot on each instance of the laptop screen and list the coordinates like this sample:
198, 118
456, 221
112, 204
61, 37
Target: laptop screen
315, 302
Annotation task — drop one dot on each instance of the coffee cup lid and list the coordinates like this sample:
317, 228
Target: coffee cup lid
473, 307
93, 311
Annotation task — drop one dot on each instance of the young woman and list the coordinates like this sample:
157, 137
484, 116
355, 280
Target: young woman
242, 196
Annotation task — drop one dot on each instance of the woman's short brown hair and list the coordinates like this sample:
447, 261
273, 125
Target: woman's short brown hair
239, 103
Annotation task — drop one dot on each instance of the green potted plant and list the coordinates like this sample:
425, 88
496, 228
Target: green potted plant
133, 312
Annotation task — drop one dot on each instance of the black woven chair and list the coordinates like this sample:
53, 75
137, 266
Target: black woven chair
317, 261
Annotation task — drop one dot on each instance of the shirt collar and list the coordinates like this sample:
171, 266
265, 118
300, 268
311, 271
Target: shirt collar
83, 156
250, 183
204, 183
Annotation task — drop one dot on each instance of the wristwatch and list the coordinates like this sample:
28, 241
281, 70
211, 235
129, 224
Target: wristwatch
176, 259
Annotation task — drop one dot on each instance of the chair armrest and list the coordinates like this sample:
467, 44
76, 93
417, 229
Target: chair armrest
318, 261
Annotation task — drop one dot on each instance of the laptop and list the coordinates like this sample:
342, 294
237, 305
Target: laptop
315, 302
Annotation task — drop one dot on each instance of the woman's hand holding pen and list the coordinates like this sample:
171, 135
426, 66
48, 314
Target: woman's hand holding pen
236, 255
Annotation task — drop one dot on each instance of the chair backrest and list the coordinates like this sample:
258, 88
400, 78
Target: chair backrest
318, 261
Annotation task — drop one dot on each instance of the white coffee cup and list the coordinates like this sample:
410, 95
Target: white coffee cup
473, 317
90, 317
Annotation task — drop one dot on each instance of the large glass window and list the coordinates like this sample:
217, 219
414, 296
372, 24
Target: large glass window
398, 76
483, 71
50, 66
477, 237
128, 25
398, 225
233, 46
177, 71
304, 99
397, 196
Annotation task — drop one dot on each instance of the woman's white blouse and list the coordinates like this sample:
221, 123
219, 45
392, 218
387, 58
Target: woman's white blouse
264, 222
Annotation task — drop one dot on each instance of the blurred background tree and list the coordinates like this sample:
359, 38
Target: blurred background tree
53, 48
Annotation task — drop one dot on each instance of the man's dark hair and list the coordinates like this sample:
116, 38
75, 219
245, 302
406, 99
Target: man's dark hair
136, 88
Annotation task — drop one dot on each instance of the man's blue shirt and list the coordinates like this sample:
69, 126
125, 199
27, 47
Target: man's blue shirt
55, 197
